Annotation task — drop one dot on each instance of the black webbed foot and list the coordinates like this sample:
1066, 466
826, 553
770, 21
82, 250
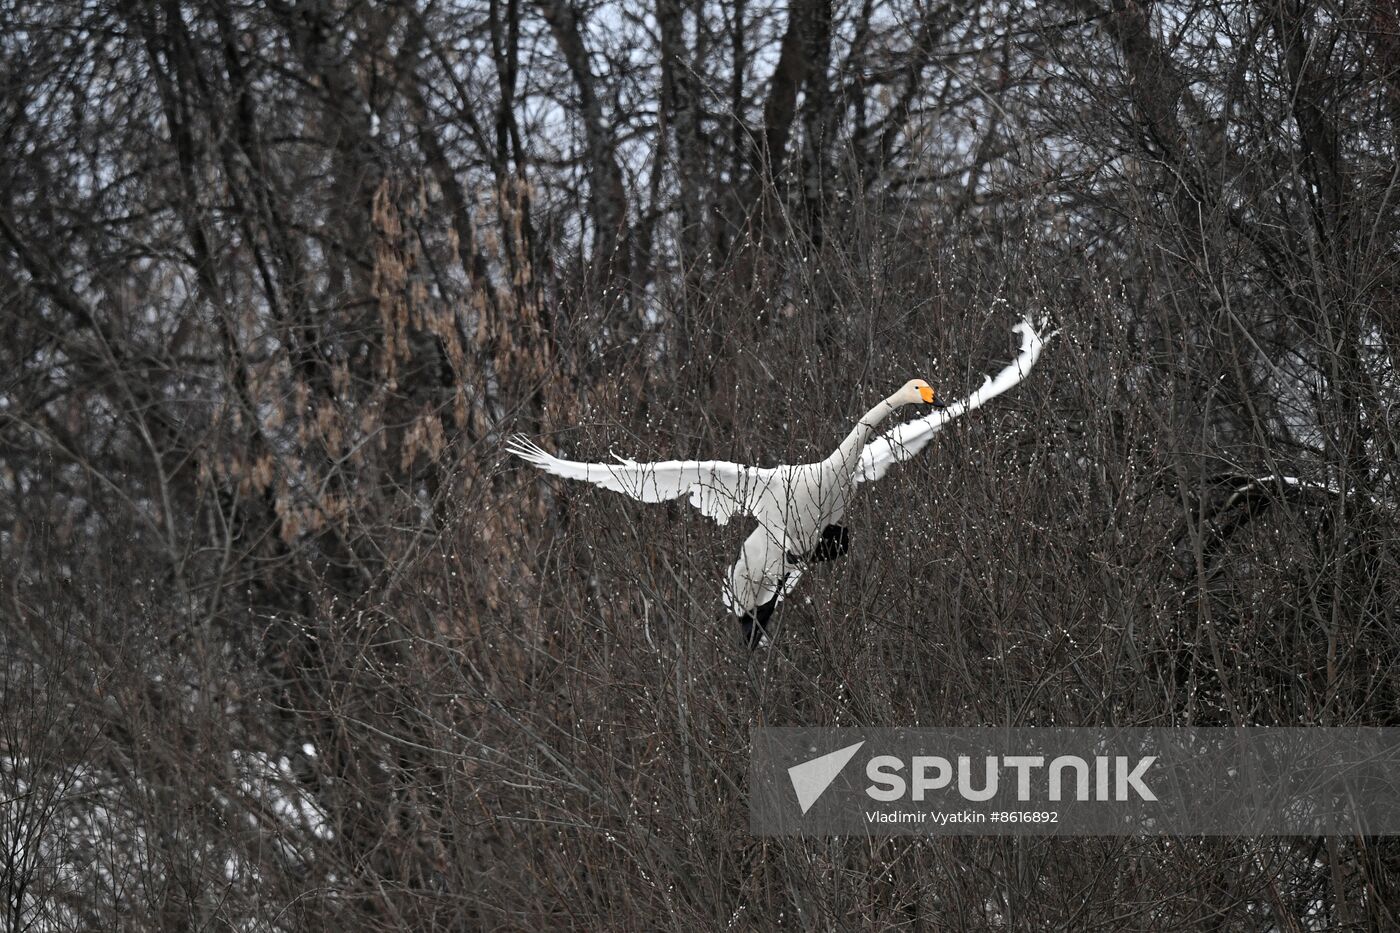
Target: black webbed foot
754, 624
835, 542
751, 631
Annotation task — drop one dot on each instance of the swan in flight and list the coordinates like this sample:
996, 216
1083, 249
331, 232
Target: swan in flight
797, 506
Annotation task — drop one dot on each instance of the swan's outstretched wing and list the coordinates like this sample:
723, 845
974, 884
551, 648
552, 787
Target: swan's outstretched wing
913, 436
718, 488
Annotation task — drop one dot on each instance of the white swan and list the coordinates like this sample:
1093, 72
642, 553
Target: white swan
797, 506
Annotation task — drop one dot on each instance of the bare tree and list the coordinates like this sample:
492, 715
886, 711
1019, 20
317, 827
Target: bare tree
287, 645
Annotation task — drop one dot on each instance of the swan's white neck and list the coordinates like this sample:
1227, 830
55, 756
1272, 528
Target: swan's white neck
848, 454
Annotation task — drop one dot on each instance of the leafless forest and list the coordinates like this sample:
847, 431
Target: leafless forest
289, 644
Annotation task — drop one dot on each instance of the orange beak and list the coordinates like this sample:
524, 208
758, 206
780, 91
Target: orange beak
926, 394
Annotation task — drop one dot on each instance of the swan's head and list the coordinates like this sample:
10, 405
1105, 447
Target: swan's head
915, 392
